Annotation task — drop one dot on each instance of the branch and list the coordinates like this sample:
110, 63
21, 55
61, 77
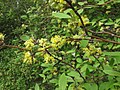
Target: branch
66, 64
71, 6
96, 39
12, 46
104, 32
105, 40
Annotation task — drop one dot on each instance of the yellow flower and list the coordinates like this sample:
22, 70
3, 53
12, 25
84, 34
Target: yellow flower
48, 58
76, 36
1, 36
57, 41
61, 1
99, 51
85, 20
43, 42
29, 44
28, 58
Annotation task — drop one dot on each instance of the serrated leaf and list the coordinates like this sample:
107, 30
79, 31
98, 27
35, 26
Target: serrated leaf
62, 82
60, 15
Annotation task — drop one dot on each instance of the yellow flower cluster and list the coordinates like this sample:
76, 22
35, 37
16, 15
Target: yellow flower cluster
57, 42
43, 42
61, 1
29, 44
28, 58
92, 50
1, 37
85, 20
48, 58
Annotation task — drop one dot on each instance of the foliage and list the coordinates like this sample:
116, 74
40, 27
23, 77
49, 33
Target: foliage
67, 45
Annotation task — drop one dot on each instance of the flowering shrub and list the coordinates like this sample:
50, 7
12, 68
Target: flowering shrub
78, 47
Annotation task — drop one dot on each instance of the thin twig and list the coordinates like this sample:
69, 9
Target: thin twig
71, 6
13, 46
104, 32
105, 40
96, 39
99, 62
66, 64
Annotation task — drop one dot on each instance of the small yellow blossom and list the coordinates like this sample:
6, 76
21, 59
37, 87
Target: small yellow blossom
76, 36
29, 44
85, 20
57, 41
48, 58
43, 42
28, 58
99, 51
1, 36
61, 1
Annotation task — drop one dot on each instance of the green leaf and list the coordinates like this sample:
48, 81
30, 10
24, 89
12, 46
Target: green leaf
74, 74
83, 68
70, 51
90, 86
105, 85
94, 86
62, 82
60, 15
109, 23
69, 79
112, 62
53, 81
68, 10
37, 87
112, 53
83, 43
24, 16
87, 86
117, 1
79, 60
24, 37
111, 72
71, 87
80, 11
117, 60
81, 3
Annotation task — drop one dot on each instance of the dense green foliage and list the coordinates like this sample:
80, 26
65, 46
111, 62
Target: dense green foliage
60, 45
